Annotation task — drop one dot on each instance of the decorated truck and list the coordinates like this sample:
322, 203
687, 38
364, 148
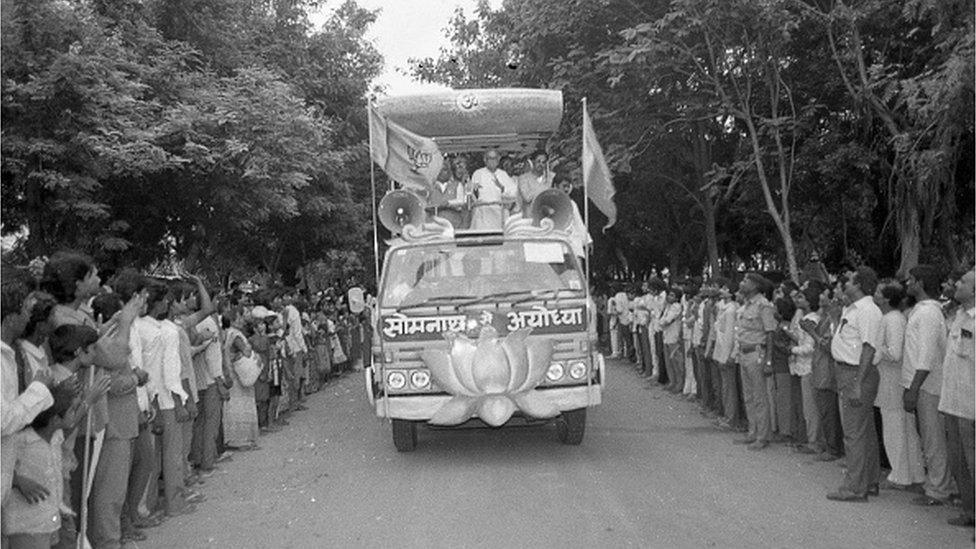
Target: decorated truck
489, 325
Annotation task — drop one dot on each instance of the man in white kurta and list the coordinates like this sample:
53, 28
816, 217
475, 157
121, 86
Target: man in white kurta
958, 398
925, 344
491, 187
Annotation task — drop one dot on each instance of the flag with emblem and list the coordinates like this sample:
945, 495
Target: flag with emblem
596, 174
410, 159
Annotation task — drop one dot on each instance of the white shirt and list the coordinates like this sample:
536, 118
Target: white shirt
802, 363
925, 344
656, 304
623, 308
213, 354
889, 360
671, 323
724, 329
172, 366
155, 349
483, 181
295, 339
17, 411
893, 325
641, 313
860, 323
958, 369
35, 356
40, 460
145, 352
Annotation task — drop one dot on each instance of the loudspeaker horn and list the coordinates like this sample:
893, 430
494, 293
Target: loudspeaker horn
399, 208
553, 204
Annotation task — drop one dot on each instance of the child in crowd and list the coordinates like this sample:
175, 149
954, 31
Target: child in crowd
32, 511
278, 373
73, 353
31, 344
257, 332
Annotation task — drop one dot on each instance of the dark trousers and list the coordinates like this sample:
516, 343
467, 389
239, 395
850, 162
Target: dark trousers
703, 374
673, 360
76, 481
715, 373
171, 448
263, 407
860, 436
829, 410
108, 492
143, 468
798, 426
626, 349
647, 366
662, 377
959, 450
730, 393
205, 428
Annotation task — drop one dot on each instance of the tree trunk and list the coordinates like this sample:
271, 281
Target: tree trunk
702, 159
711, 238
780, 219
910, 237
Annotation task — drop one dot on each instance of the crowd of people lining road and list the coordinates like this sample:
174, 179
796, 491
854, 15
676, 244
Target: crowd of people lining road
829, 367
122, 395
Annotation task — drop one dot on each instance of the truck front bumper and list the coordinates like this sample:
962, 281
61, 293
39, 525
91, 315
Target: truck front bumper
423, 407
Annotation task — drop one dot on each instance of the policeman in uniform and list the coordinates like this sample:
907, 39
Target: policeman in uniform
754, 328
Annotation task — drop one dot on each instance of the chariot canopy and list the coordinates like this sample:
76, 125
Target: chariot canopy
506, 119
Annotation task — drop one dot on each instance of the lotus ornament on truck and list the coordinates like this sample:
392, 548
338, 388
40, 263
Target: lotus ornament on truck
491, 377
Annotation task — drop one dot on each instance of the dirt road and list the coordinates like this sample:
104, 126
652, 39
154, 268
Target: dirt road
651, 472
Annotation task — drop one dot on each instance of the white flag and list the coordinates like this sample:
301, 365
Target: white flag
596, 174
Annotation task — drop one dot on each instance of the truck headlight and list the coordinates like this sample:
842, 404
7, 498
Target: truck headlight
577, 370
420, 379
396, 380
555, 371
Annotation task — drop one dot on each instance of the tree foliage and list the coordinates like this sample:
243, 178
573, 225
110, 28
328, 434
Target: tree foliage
226, 130
752, 133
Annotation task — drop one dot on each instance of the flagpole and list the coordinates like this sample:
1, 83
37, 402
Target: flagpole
586, 210
372, 201
376, 253
586, 254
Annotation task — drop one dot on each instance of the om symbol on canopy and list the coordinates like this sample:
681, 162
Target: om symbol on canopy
467, 101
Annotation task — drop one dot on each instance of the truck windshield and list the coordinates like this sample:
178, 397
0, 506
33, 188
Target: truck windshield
445, 273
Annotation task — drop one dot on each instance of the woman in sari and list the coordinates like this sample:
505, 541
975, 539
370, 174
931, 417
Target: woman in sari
240, 412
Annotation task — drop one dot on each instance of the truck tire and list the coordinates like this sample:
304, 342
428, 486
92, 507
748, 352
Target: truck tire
571, 425
404, 435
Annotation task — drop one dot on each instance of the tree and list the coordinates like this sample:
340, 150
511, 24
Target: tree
916, 82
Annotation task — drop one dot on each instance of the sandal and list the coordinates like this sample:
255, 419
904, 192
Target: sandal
927, 501
133, 535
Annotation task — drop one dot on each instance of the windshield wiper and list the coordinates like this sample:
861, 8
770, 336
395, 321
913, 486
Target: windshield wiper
435, 300
555, 294
482, 298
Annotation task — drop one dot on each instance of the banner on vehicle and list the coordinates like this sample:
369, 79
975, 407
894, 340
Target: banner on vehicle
542, 320
410, 159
